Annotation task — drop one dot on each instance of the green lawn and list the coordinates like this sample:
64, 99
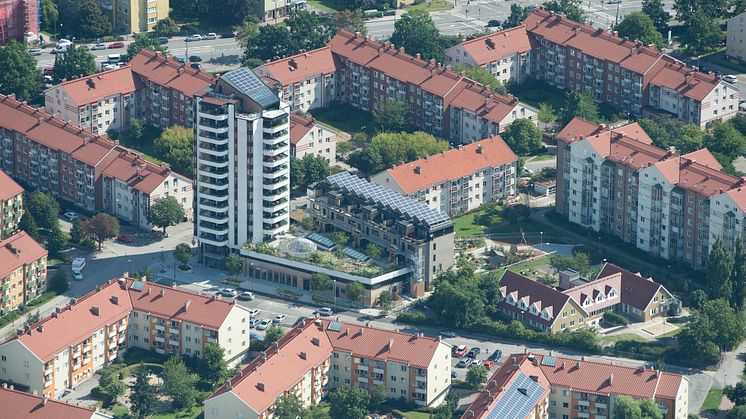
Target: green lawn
466, 225
326, 6
535, 93
623, 336
412, 414
670, 334
541, 157
344, 118
433, 6
532, 264
194, 412
142, 145
712, 402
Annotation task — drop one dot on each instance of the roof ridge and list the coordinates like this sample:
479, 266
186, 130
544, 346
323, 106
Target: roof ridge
495, 34
90, 76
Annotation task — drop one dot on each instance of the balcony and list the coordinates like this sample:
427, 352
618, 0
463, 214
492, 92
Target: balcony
213, 217
216, 173
214, 228
421, 378
275, 193
213, 149
161, 339
212, 340
219, 206
215, 161
214, 193
214, 239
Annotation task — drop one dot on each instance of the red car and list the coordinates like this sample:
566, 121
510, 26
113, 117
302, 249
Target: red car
488, 364
114, 45
125, 238
460, 350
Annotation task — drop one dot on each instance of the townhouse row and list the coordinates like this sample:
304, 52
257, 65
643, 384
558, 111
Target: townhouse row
623, 73
320, 355
613, 180
68, 347
362, 73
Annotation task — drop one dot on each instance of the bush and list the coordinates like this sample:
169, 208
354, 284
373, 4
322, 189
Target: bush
615, 319
413, 317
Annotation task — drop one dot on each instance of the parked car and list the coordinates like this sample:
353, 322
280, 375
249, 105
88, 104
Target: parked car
476, 362
35, 51
489, 364
730, 78
263, 324
97, 47
77, 275
448, 334
125, 238
71, 215
459, 351
464, 363
325, 311
279, 318
163, 40
228, 34
179, 60
495, 355
228, 292
254, 312
195, 66
115, 45
246, 296
493, 23
474, 352
48, 79
253, 323
211, 35
192, 38
108, 66
61, 49
195, 59
453, 373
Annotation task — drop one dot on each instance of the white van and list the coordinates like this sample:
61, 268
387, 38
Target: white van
114, 58
77, 267
61, 49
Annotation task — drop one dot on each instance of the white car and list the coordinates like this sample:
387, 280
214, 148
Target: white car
77, 275
107, 67
195, 37
254, 312
263, 324
228, 292
97, 47
246, 296
476, 362
211, 35
448, 334
64, 41
253, 323
279, 318
325, 311
730, 78
35, 51
71, 215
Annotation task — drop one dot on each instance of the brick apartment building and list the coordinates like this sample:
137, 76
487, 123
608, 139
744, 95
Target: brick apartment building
11, 205
319, 355
529, 386
613, 180
18, 17
81, 168
626, 74
66, 348
458, 180
362, 73
23, 271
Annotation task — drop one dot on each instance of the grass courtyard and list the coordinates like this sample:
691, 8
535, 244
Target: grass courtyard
344, 118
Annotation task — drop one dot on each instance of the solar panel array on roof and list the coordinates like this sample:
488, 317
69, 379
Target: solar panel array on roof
249, 84
137, 285
355, 254
549, 361
320, 239
387, 198
518, 400
335, 326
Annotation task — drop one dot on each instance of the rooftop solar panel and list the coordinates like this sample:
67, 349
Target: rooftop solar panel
335, 326
549, 361
244, 80
518, 400
137, 285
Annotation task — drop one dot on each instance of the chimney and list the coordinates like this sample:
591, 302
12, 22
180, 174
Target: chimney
162, 293
611, 379
303, 355
391, 344
44, 400
316, 341
95, 310
401, 49
418, 170
260, 386
479, 149
187, 304
419, 56
115, 300
40, 328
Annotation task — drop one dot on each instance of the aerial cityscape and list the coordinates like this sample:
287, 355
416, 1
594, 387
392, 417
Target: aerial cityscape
352, 209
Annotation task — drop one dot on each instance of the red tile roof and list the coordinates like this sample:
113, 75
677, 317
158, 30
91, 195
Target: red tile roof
635, 290
8, 187
704, 156
495, 46
634, 154
168, 72
591, 290
738, 195
19, 405
136, 171
18, 250
579, 128
300, 125
704, 180
546, 297
99, 86
668, 386
301, 66
452, 164
684, 80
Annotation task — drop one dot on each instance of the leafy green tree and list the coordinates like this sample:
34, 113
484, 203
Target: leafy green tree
724, 138
626, 407
458, 298
351, 20
213, 369
110, 387
698, 299
102, 227
166, 212
32, 318
737, 412
570, 8
373, 251
28, 224
655, 11
287, 407
320, 282
388, 149
92, 22
143, 394
272, 42
712, 9
384, 300
306, 31
446, 410
736, 394
77, 233
639, 26
523, 137
517, 15
60, 282
546, 113
481, 75
73, 64
56, 241
730, 329
580, 263
340, 238
476, 376
348, 403
44, 208
391, 115
416, 32
179, 383
315, 168
690, 138
166, 27
701, 34
145, 41
738, 296
377, 398
273, 334
174, 146
18, 72
247, 31
183, 253
297, 172
720, 271
581, 105
233, 264
49, 15
354, 291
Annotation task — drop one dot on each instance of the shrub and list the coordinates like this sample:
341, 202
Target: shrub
615, 319
412, 317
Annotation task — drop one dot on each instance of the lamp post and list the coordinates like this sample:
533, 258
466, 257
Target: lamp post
541, 234
251, 273
335, 295
129, 267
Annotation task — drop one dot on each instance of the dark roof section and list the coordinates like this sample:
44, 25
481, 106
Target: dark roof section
636, 290
248, 83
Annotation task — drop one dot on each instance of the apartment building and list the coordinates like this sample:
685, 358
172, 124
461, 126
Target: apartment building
612, 180
319, 355
99, 103
68, 347
507, 54
583, 302
23, 271
242, 160
17, 404
309, 137
81, 168
17, 18
127, 16
273, 11
458, 180
11, 205
365, 73
412, 234
734, 46
546, 386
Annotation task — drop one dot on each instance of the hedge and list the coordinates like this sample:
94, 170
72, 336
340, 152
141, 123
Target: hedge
615, 319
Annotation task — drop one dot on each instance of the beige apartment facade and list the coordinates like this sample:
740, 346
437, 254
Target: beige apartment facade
23, 271
130, 16
11, 205
735, 36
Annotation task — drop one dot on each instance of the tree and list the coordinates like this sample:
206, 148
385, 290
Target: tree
523, 137
570, 8
340, 238
92, 22
213, 368
102, 227
32, 318
179, 383
73, 64
247, 31
445, 410
18, 73
272, 42
373, 251
391, 115
377, 398
297, 172
388, 149
320, 282
656, 13
315, 168
712, 9
736, 394
384, 300
476, 375
737, 412
639, 26
629, 408
166, 212
720, 271
233, 264
44, 208
481, 75
690, 138
724, 138
581, 105
273, 334
730, 329
28, 224
110, 387
738, 296
145, 41
174, 146
517, 15
166, 27
458, 298
77, 233
49, 15
183, 253
416, 32
142, 396
351, 20
698, 299
56, 240
348, 403
287, 407
306, 31
59, 282
354, 291
701, 34
546, 113
580, 263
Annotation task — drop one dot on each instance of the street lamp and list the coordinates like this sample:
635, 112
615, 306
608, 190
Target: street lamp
129, 267
335, 295
251, 273
541, 234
